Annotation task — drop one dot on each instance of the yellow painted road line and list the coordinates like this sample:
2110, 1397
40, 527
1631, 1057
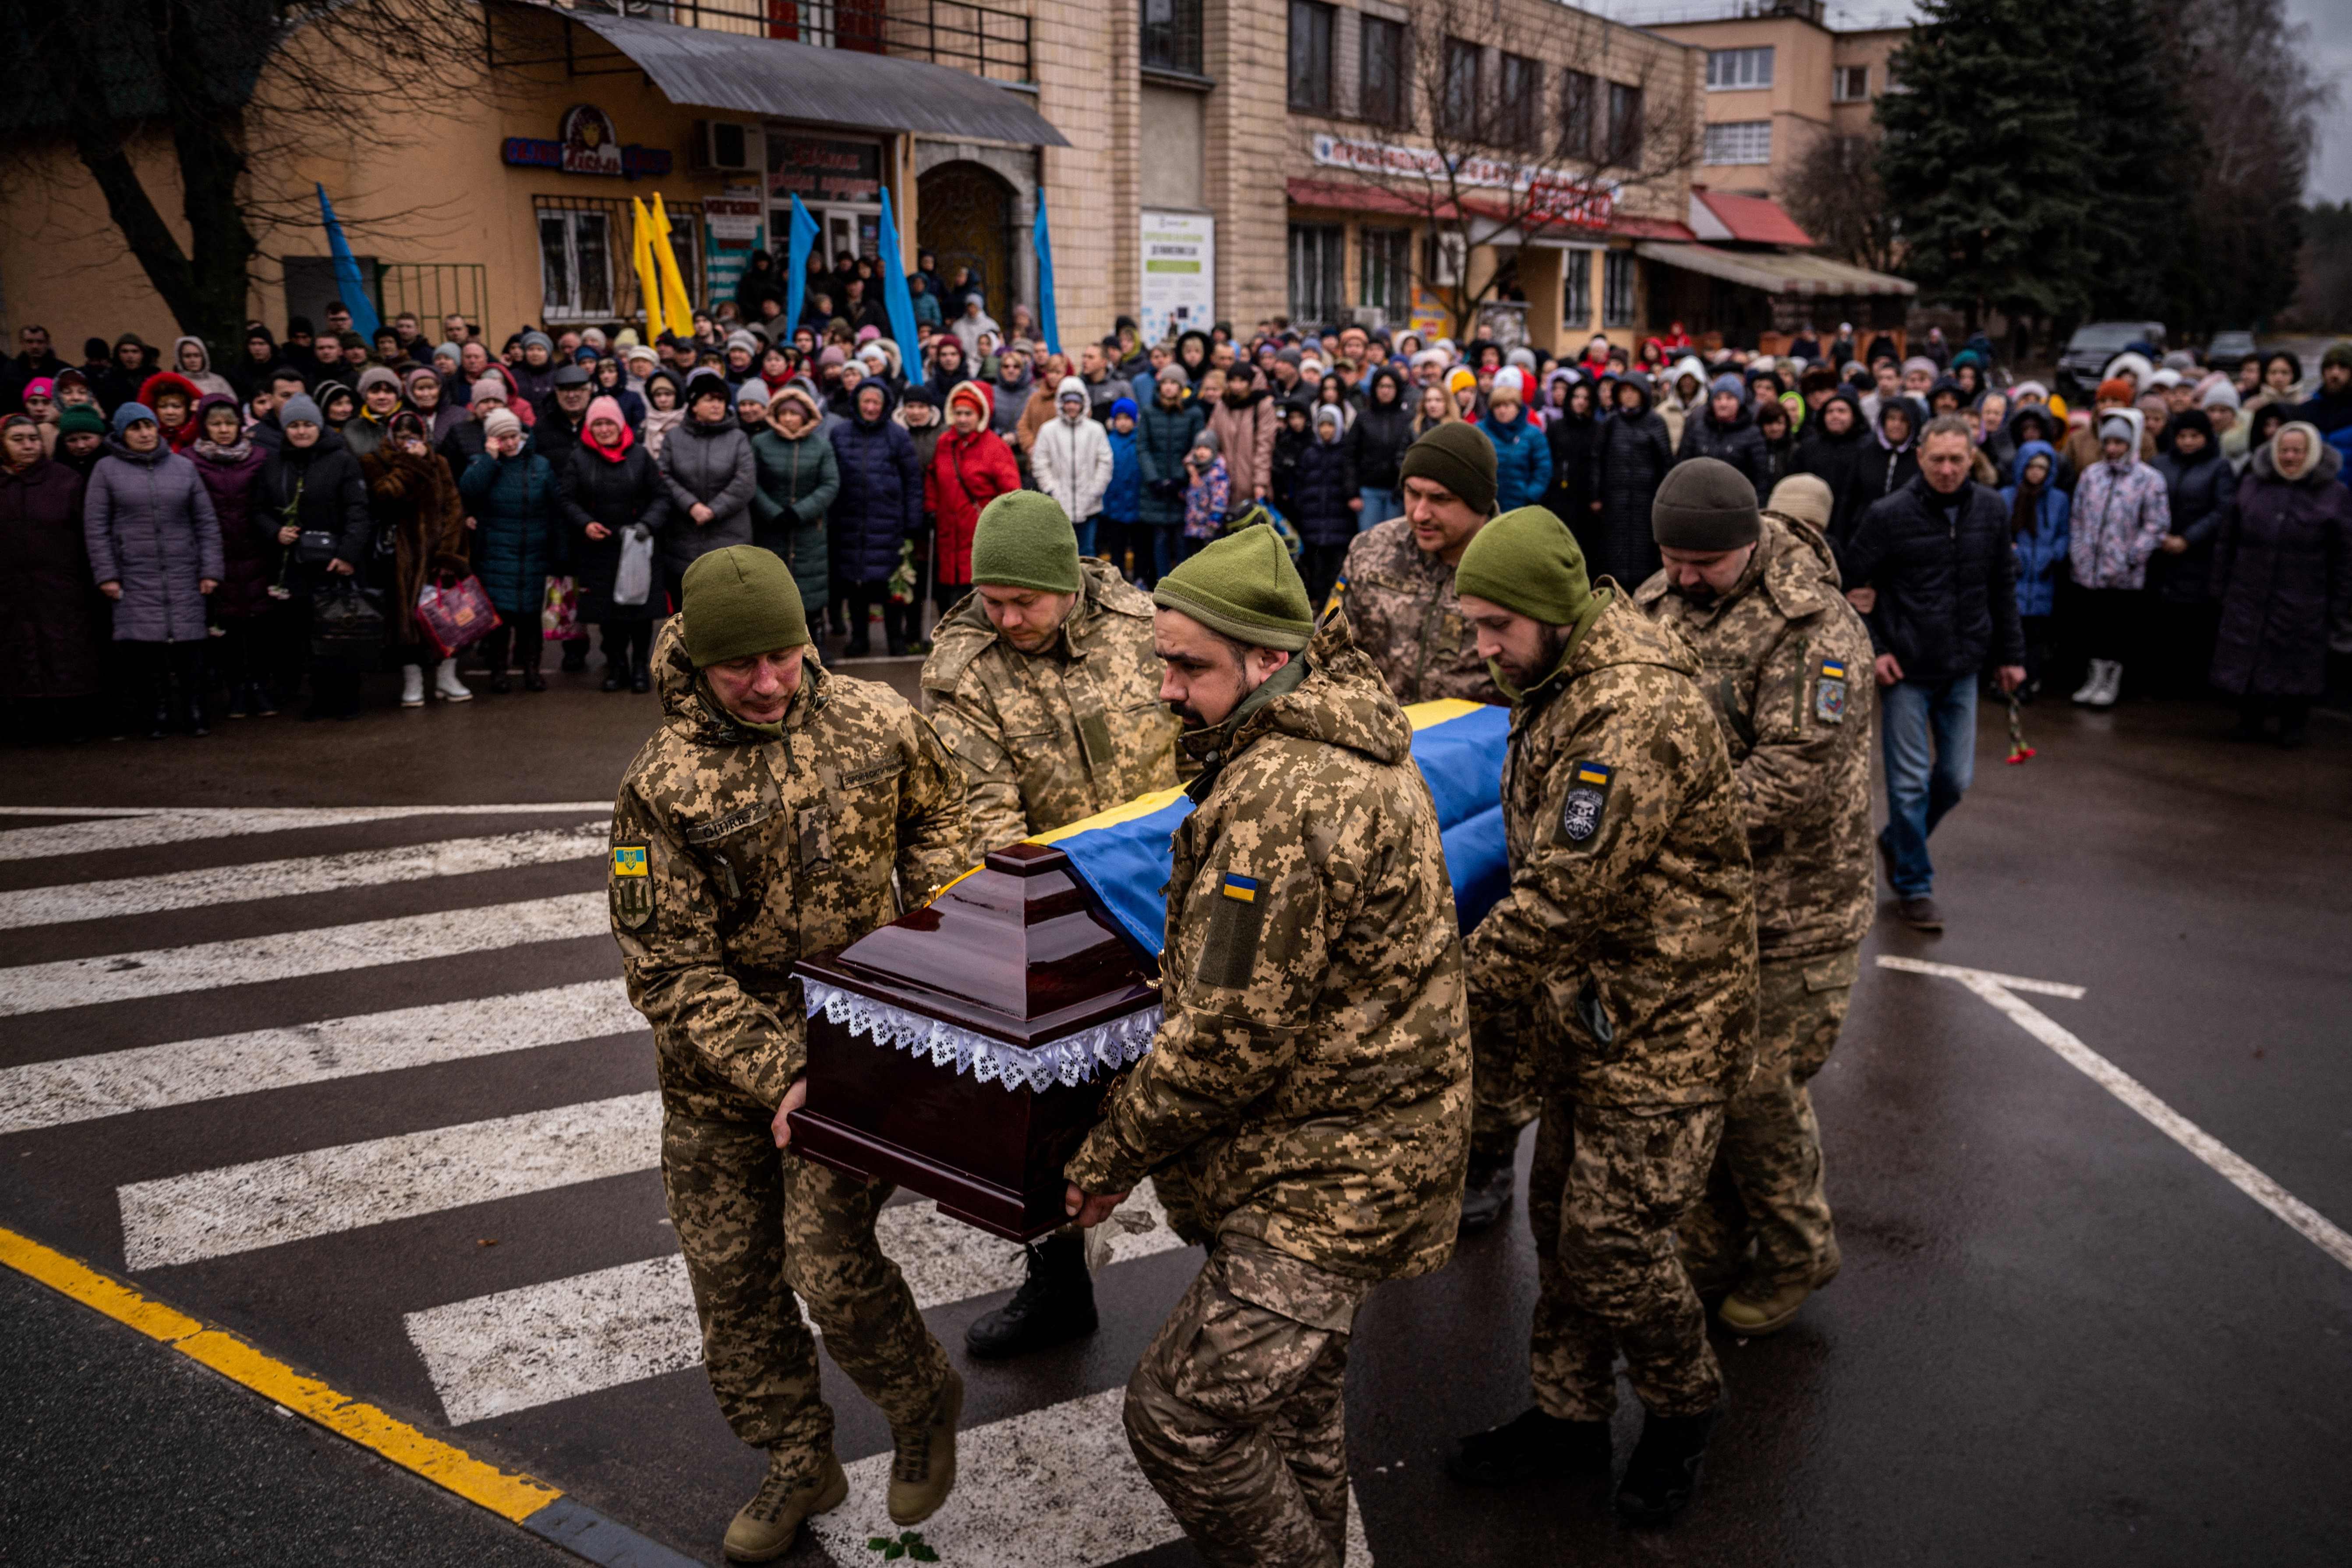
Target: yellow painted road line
509, 1495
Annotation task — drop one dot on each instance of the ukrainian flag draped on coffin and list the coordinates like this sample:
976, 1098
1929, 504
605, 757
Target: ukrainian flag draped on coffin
1122, 854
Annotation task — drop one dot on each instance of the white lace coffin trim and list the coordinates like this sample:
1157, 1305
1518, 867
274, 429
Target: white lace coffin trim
1070, 1060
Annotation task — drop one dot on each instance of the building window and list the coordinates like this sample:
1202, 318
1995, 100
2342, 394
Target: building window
1732, 70
1849, 84
1171, 36
1518, 108
1388, 270
1319, 272
1578, 101
1311, 57
1624, 124
1382, 97
1740, 142
1617, 288
1575, 289
1457, 108
576, 265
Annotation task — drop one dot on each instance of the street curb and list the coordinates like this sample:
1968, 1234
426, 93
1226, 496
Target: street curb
523, 1500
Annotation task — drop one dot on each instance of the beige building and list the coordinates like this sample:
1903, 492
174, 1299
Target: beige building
1776, 78
1198, 161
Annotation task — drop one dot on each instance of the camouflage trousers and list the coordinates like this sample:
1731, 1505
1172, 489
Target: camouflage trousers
757, 1224
1503, 1098
1765, 1186
1234, 1412
1607, 1188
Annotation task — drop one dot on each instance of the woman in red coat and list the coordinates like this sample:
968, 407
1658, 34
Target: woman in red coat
971, 466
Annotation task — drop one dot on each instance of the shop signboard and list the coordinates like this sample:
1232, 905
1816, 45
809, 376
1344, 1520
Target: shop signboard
1550, 193
732, 228
819, 169
586, 143
1180, 273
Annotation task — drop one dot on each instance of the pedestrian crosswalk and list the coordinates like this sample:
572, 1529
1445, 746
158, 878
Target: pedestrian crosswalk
209, 1074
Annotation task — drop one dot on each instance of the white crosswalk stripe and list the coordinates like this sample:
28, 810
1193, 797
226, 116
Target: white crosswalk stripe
285, 879
123, 829
294, 1197
184, 1072
515, 1349
295, 956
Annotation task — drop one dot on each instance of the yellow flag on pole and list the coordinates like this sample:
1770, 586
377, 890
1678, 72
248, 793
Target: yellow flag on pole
649, 279
675, 304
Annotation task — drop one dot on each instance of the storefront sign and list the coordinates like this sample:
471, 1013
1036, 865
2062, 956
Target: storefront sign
1180, 273
586, 143
815, 169
731, 230
1550, 193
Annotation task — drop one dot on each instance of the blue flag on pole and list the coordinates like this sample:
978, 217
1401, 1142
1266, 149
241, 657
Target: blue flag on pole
897, 303
358, 297
803, 237
1044, 241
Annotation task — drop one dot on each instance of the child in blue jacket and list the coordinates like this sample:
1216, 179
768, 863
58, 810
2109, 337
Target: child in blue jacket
1122, 504
2038, 511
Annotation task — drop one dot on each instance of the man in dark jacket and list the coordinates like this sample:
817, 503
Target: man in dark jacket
1725, 429
34, 362
1889, 461
880, 506
2330, 408
1936, 555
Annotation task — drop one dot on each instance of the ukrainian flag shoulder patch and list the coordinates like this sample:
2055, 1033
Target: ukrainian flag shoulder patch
1598, 773
629, 860
1243, 888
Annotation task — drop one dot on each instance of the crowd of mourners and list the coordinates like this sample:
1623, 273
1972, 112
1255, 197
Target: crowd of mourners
201, 532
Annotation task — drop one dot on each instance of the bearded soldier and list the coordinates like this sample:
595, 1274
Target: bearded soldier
1629, 930
1305, 1108
1756, 596
764, 821
1043, 686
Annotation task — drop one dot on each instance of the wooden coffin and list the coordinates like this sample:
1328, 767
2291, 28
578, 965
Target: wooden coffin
1017, 954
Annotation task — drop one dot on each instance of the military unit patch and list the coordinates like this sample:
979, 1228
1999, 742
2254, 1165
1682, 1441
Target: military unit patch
1588, 797
1829, 692
633, 884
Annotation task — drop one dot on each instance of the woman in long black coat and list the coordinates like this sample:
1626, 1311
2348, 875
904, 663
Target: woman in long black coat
1629, 458
54, 624
1574, 428
312, 484
2282, 565
611, 485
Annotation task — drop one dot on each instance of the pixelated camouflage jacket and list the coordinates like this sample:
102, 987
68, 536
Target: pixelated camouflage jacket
1402, 603
1630, 926
1046, 739
1787, 663
734, 854
1310, 1088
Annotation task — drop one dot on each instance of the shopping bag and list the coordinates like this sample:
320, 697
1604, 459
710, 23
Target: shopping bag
633, 582
346, 626
456, 616
559, 620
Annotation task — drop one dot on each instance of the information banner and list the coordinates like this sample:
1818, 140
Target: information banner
1180, 273
733, 226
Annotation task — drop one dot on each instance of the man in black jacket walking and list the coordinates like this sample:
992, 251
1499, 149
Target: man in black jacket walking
1935, 554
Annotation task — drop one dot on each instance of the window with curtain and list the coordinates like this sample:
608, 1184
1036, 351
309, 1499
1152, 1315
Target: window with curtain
1576, 289
1319, 272
1518, 106
1381, 97
1740, 142
1457, 108
1577, 113
1171, 36
1311, 57
1624, 124
1617, 288
1386, 265
1737, 70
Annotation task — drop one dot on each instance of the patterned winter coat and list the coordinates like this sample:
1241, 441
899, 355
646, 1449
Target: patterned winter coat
2120, 516
735, 854
1311, 1090
1405, 616
1630, 926
1787, 664
1045, 739
149, 526
230, 475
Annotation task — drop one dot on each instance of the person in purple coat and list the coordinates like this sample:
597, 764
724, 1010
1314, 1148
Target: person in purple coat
229, 462
155, 549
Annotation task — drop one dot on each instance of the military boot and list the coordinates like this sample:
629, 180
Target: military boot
1533, 1447
923, 1471
763, 1529
1761, 1308
1487, 1194
1664, 1472
1053, 1306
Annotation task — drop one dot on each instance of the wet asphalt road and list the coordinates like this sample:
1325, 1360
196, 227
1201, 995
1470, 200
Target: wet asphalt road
2057, 1337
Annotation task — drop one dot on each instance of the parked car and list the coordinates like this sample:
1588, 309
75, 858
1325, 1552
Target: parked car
2227, 348
2090, 347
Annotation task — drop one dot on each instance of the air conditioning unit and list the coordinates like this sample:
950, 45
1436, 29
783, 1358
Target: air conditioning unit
725, 144
1372, 318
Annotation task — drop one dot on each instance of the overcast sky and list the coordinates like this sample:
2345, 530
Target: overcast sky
2330, 42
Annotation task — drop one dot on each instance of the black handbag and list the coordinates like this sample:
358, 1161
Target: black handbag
347, 624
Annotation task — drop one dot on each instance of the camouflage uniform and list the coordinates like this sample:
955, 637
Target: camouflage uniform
1045, 740
732, 855
1630, 929
1402, 604
1304, 1110
1787, 665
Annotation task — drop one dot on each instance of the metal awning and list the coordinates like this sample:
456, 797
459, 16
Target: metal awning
1775, 271
705, 69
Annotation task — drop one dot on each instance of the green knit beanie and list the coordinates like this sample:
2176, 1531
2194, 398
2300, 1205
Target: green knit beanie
1024, 540
81, 421
1244, 586
741, 600
1527, 561
1458, 456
